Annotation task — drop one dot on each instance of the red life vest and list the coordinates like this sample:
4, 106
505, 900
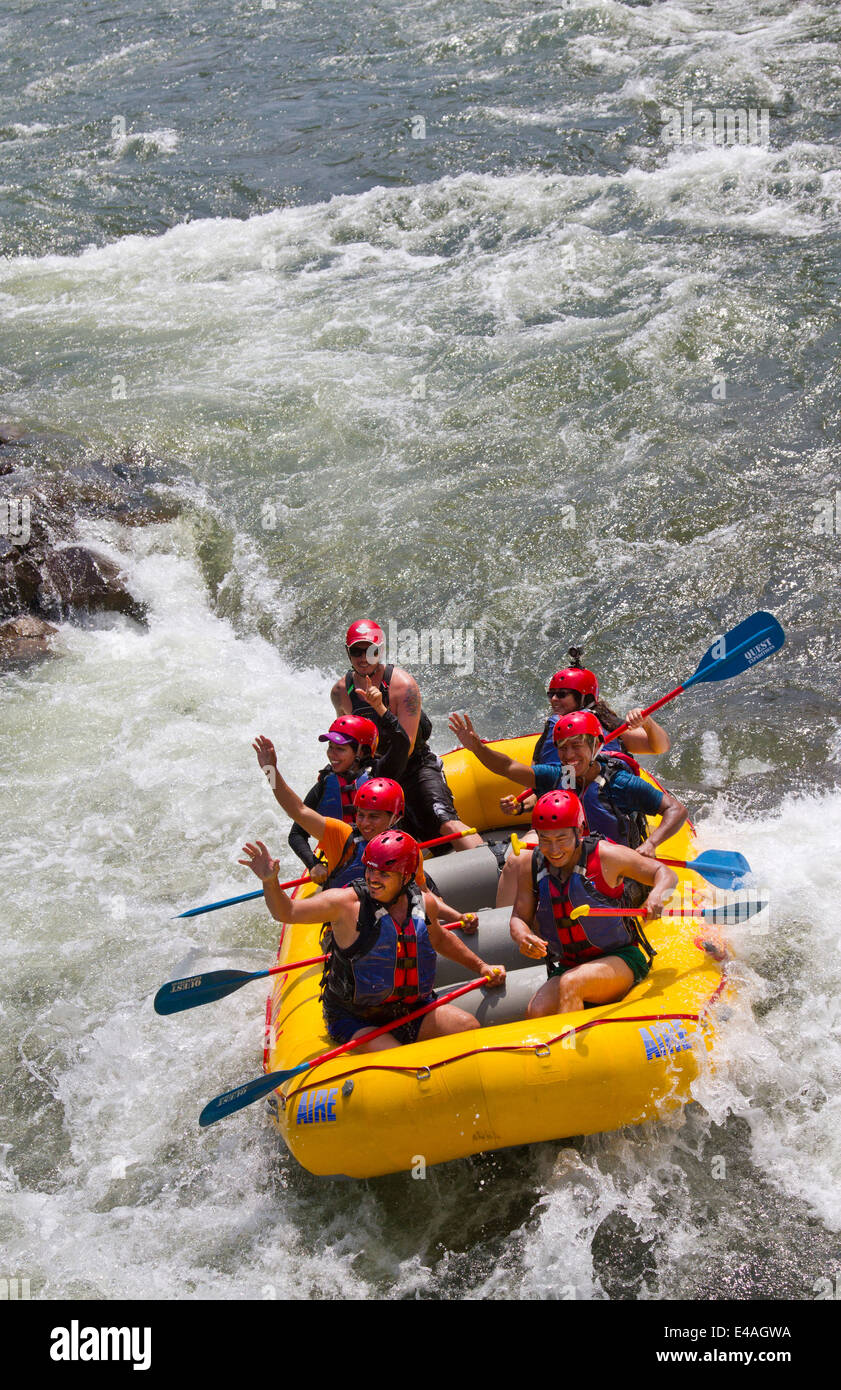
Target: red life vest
575, 940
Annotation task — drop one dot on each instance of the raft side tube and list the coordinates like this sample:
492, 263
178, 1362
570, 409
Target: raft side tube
467, 879
506, 1003
492, 942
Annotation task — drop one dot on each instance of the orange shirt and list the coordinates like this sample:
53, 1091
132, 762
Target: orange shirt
333, 841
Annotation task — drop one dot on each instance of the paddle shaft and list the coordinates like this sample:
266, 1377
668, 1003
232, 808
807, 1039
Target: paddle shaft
386, 1028
243, 898
643, 912
296, 882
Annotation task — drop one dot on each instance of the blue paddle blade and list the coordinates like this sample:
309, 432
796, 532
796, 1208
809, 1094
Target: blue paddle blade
722, 868
738, 650
730, 914
240, 1096
178, 995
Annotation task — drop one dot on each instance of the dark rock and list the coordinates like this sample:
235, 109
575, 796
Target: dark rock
28, 580
25, 639
44, 570
87, 581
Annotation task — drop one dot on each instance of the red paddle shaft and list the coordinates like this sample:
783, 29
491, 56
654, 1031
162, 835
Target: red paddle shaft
611, 734
397, 1023
637, 911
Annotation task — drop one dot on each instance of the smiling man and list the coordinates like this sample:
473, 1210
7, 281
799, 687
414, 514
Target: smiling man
589, 960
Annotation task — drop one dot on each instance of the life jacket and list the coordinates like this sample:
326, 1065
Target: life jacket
576, 940
603, 814
350, 865
360, 706
337, 793
545, 750
615, 750
390, 966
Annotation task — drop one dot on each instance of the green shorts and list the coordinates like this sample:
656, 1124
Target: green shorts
636, 961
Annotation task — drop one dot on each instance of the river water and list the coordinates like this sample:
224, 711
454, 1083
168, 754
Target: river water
439, 329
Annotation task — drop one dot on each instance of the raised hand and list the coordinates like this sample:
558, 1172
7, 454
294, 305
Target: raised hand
461, 725
260, 861
371, 693
266, 755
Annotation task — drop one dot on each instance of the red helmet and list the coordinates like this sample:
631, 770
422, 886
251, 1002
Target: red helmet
558, 810
352, 727
575, 678
381, 794
394, 851
365, 630
581, 722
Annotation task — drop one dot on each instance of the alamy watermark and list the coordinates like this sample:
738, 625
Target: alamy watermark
721, 125
426, 646
15, 513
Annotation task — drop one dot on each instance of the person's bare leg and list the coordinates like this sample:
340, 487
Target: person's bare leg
598, 982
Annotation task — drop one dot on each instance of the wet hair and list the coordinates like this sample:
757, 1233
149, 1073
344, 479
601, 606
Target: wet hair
607, 717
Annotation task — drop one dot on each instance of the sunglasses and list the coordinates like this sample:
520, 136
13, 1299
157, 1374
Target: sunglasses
559, 693
362, 649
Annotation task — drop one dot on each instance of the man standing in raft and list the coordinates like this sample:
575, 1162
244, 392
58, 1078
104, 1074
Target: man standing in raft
429, 803
589, 960
385, 938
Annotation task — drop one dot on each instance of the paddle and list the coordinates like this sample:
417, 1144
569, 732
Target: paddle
295, 882
728, 915
243, 898
244, 1095
743, 647
178, 995
194, 990
723, 868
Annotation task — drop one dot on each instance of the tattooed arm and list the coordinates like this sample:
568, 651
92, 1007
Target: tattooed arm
405, 702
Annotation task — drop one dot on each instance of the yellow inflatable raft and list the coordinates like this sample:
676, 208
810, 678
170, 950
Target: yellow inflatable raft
511, 1081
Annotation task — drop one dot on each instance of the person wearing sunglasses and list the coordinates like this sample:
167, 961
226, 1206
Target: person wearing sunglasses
575, 688
430, 810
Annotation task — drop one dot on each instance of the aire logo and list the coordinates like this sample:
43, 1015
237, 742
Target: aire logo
315, 1106
665, 1038
75, 1343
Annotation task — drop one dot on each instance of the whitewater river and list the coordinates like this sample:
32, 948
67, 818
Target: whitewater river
436, 327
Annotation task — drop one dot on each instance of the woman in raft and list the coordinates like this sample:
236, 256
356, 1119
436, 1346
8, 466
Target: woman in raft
575, 688
385, 940
589, 960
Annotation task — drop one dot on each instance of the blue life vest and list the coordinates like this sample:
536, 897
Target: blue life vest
350, 865
574, 940
337, 792
390, 966
545, 750
603, 814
